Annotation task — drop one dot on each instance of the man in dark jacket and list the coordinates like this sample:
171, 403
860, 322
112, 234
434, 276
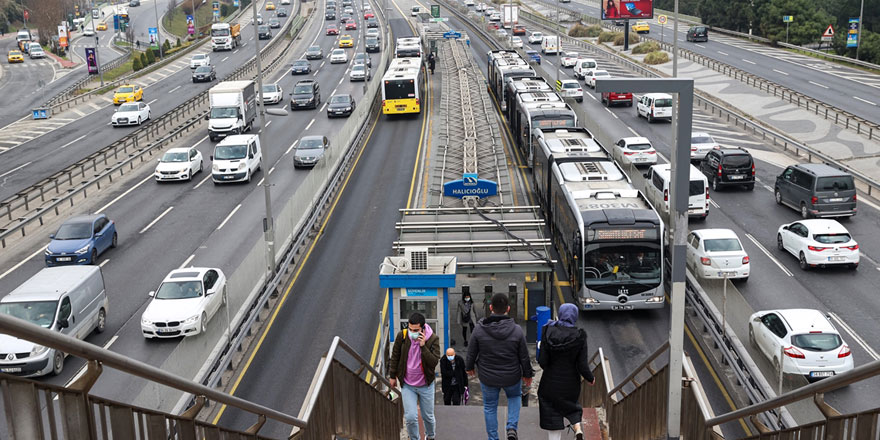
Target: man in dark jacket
454, 379
498, 348
414, 357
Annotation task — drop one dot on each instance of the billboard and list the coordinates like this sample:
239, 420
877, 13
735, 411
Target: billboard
154, 37
622, 9
190, 25
91, 60
852, 35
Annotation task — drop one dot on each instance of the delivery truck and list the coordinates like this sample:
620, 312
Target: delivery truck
510, 15
225, 36
233, 108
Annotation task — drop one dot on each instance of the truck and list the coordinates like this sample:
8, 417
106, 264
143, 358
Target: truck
225, 36
510, 15
233, 108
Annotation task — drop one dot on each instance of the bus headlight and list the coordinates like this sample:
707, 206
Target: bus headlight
655, 299
589, 300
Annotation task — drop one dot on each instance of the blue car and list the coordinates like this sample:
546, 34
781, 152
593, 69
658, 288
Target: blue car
534, 55
300, 67
80, 240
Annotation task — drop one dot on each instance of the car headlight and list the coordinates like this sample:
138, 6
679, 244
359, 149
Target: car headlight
191, 319
348, 109
83, 249
38, 350
214, 167
241, 165
48, 252
145, 321
655, 299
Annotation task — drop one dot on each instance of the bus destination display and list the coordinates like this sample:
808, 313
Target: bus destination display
625, 234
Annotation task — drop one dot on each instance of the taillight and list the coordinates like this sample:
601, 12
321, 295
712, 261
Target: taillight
705, 261
745, 260
628, 153
707, 197
817, 248
753, 169
383, 103
794, 353
693, 149
814, 200
854, 247
844, 351
665, 195
650, 152
719, 171
417, 101
854, 197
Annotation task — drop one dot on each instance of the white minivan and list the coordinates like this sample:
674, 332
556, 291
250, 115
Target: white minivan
655, 106
658, 190
584, 65
415, 11
68, 299
549, 44
236, 158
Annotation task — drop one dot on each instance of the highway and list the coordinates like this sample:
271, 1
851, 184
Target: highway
844, 87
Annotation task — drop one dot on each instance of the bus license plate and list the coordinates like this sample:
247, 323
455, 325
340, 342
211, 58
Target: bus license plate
821, 373
11, 370
401, 108
627, 307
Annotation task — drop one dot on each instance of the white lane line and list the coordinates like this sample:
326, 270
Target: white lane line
323, 107
854, 335
712, 202
21, 263
779, 71
591, 96
632, 131
224, 59
229, 216
152, 101
174, 89
185, 262
817, 84
750, 62
235, 51
310, 125
611, 113
118, 198
271, 170
864, 100
292, 146
72, 142
341, 79
156, 220
203, 181
82, 369
722, 53
15, 169
104, 262
699, 45
767, 253
267, 123
334, 91
261, 181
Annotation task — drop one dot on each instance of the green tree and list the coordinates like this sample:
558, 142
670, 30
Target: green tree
810, 20
136, 64
735, 15
151, 57
143, 58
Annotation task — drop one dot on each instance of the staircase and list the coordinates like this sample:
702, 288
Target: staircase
466, 422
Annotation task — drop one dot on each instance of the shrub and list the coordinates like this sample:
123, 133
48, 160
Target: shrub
151, 57
605, 37
143, 58
166, 45
136, 64
178, 42
657, 57
646, 47
618, 38
580, 31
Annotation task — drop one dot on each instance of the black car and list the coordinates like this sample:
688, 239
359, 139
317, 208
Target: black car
263, 32
274, 23
362, 58
134, 3
340, 105
204, 74
698, 33
314, 53
372, 45
306, 94
729, 166
281, 12
300, 67
330, 14
346, 17
372, 22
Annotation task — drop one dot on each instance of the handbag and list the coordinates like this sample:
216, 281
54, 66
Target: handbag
467, 395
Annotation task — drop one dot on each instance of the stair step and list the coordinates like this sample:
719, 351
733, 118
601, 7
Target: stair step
466, 422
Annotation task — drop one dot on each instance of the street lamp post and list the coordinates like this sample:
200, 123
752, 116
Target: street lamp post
98, 60
558, 41
195, 24
861, 26
259, 69
158, 37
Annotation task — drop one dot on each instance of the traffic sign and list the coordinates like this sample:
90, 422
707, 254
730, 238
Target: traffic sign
470, 186
828, 35
452, 34
438, 20
787, 18
662, 19
435, 11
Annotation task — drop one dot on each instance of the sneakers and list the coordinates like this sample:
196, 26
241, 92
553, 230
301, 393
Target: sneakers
511, 434
579, 436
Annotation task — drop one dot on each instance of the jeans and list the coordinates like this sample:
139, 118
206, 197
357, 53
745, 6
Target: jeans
423, 397
490, 407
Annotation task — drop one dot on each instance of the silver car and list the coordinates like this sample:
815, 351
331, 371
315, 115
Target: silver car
310, 150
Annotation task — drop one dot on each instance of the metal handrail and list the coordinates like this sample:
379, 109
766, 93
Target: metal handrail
643, 366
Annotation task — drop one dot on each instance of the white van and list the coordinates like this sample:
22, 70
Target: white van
655, 106
68, 299
658, 190
36, 51
236, 158
584, 65
549, 44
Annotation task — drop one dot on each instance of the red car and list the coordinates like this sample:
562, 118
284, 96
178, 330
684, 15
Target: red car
351, 25
331, 30
368, 15
493, 26
519, 29
610, 98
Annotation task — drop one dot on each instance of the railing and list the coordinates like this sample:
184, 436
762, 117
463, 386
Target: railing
340, 401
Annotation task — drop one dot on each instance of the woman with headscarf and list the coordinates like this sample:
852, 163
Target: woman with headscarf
564, 357
467, 315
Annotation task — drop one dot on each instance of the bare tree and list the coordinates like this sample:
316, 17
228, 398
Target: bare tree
172, 8
45, 16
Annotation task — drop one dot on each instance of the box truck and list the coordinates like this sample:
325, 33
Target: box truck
233, 107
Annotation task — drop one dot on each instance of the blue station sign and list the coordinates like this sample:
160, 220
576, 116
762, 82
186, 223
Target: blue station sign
452, 34
470, 186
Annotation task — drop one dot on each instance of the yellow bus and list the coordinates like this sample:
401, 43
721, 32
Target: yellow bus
402, 89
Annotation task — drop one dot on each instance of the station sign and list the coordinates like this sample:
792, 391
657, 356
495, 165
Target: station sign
452, 34
470, 186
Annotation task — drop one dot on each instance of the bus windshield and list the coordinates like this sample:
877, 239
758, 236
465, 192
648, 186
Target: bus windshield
618, 264
400, 89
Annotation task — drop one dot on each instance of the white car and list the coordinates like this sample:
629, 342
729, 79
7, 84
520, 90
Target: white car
716, 253
481, 7
535, 37
489, 11
179, 164
285, 2
338, 56
818, 243
592, 75
89, 31
502, 33
130, 113
570, 88
803, 341
199, 59
496, 16
373, 32
569, 59
701, 143
359, 72
516, 42
635, 150
184, 303
272, 94
468, 2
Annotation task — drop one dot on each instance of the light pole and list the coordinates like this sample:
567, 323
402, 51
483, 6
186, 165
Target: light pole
861, 26
98, 60
259, 68
269, 226
558, 41
158, 37
195, 25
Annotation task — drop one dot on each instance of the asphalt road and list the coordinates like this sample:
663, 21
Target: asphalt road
846, 88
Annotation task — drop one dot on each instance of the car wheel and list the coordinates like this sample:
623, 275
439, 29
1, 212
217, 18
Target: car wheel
750, 187
752, 340
204, 327
650, 118
629, 104
115, 241
201, 165
804, 212
715, 183
854, 266
779, 244
802, 262
57, 363
139, 120
778, 196
102, 321
248, 179
149, 115
94, 256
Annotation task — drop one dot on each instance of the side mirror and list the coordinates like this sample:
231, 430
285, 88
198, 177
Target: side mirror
251, 156
757, 319
52, 236
211, 157
207, 117
646, 176
62, 323
210, 292
152, 293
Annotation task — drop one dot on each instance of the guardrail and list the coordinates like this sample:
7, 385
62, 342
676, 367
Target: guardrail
64, 187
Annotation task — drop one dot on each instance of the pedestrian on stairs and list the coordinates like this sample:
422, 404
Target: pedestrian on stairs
414, 358
467, 315
453, 378
564, 357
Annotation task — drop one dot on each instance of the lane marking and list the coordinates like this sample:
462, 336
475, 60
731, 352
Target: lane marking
203, 181
632, 131
185, 262
779, 71
271, 170
769, 255
310, 125
292, 146
21, 263
267, 123
323, 107
817, 84
722, 53
72, 142
152, 101
174, 89
82, 369
123, 194
224, 59
714, 204
156, 220
864, 100
229, 216
861, 341
15, 169
750, 62
103, 263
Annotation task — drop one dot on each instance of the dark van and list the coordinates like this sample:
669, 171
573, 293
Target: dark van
698, 33
817, 190
729, 167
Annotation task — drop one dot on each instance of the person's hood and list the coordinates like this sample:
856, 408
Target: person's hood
428, 332
560, 338
499, 327
68, 246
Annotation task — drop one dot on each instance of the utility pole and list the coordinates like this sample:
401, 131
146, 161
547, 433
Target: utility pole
558, 41
680, 163
195, 25
861, 26
269, 225
158, 35
98, 60
259, 71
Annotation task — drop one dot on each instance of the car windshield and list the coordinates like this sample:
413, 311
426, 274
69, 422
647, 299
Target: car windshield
372, 40
302, 90
175, 156
128, 108
198, 57
41, 313
74, 231
701, 139
832, 238
722, 245
340, 99
263, 28
358, 67
224, 112
311, 144
601, 73
837, 183
125, 90
203, 69
272, 88
737, 160
229, 152
338, 52
301, 63
315, 49
639, 147
611, 262
816, 341
179, 290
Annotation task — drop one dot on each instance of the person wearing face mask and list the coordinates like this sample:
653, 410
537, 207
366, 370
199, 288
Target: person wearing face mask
414, 358
467, 315
454, 379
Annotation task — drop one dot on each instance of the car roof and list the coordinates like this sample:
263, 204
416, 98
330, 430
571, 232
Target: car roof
805, 320
658, 95
186, 274
700, 133
305, 82
733, 151
715, 233
821, 169
50, 283
85, 218
312, 137
636, 140
179, 150
826, 225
